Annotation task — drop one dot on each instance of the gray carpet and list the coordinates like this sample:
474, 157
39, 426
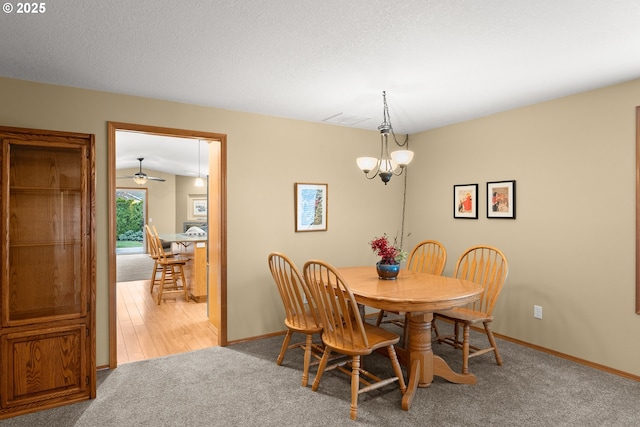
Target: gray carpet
241, 385
130, 267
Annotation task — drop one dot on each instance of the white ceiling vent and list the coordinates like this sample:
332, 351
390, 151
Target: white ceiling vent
345, 119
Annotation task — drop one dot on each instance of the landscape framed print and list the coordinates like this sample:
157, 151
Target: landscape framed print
197, 209
465, 201
311, 206
501, 199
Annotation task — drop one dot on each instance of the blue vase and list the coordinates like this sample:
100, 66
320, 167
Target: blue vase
387, 271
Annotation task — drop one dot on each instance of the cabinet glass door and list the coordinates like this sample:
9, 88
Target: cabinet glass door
45, 274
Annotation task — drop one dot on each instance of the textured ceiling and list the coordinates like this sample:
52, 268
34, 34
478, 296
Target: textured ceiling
441, 62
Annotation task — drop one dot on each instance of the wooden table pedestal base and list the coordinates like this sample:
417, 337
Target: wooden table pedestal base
421, 362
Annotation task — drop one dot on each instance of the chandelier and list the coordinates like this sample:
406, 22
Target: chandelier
389, 164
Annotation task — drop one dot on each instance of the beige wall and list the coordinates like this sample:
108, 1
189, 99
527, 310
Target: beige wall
571, 248
265, 157
185, 189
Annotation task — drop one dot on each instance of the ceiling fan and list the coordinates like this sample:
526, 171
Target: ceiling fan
140, 177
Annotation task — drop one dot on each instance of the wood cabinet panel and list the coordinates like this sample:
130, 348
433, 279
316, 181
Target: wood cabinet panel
47, 280
196, 269
44, 363
199, 288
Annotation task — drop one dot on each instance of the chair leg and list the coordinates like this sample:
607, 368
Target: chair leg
321, 367
380, 316
456, 334
434, 329
153, 276
184, 283
465, 348
355, 386
362, 311
397, 369
492, 342
174, 278
161, 286
307, 359
285, 346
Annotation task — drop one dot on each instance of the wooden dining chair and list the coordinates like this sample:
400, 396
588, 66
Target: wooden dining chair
428, 256
172, 279
301, 313
153, 254
345, 333
488, 267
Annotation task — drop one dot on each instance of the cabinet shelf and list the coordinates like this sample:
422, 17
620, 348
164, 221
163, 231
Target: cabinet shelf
15, 189
49, 314
29, 244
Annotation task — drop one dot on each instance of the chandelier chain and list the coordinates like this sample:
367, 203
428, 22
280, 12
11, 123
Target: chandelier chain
387, 120
404, 207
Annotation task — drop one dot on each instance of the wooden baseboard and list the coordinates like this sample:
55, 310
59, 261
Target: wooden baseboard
198, 299
567, 357
559, 354
506, 338
259, 337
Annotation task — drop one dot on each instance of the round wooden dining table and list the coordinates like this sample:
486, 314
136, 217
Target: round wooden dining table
419, 294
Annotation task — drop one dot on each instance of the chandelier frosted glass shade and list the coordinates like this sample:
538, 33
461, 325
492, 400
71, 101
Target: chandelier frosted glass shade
367, 164
402, 157
387, 165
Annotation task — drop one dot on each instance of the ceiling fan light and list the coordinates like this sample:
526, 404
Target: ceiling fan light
139, 179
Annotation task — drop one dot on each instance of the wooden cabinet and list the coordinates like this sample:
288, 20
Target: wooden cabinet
47, 283
196, 268
198, 290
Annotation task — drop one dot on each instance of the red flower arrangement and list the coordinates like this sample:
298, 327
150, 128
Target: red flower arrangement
388, 253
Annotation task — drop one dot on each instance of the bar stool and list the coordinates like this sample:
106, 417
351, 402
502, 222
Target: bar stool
172, 280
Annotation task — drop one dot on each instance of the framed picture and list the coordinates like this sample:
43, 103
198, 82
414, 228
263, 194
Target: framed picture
311, 207
465, 201
501, 199
199, 207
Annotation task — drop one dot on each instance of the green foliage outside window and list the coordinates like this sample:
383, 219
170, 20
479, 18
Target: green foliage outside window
129, 219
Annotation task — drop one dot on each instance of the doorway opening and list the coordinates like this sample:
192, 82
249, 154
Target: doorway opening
215, 252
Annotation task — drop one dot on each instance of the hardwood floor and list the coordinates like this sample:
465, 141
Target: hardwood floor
147, 330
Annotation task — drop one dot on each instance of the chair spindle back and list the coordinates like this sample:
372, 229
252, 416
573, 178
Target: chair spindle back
488, 267
428, 256
337, 305
294, 292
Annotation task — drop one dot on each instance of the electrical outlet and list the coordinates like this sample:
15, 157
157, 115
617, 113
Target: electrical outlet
537, 311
